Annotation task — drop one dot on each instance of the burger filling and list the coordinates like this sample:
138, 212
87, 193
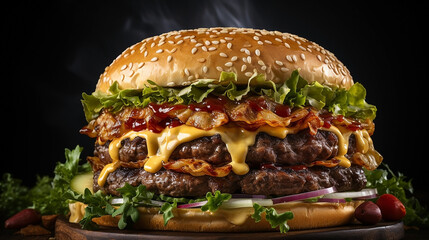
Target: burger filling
249, 140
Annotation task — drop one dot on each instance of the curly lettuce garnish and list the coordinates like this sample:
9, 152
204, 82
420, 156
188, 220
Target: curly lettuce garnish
295, 92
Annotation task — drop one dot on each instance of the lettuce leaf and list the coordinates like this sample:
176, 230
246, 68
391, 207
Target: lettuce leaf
386, 181
275, 219
295, 92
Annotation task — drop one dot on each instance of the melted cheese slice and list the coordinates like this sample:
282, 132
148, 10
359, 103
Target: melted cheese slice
237, 140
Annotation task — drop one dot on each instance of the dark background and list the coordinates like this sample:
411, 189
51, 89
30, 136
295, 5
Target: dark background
56, 50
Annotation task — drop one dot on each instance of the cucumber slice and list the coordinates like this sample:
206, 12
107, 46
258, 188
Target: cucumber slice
82, 181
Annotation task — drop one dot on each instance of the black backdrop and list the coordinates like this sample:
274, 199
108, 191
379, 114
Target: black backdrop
56, 50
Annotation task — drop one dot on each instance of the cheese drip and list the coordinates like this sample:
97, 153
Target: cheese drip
237, 140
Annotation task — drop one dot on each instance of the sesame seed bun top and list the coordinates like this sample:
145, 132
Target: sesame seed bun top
179, 58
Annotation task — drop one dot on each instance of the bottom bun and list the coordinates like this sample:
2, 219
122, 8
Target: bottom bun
306, 216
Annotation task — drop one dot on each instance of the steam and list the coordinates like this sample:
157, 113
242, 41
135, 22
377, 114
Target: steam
161, 17
141, 19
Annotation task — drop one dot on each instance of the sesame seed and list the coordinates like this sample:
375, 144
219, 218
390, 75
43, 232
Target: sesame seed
222, 41
152, 45
228, 64
215, 42
190, 78
289, 58
161, 43
229, 45
145, 54
264, 68
257, 52
247, 51
302, 56
248, 74
179, 42
204, 48
194, 50
223, 55
201, 60
268, 41
140, 65
186, 71
234, 58
302, 48
219, 69
243, 67
207, 42
249, 59
124, 67
278, 39
287, 45
159, 51
154, 59
169, 58
212, 48
260, 62
319, 57
256, 38
205, 69
173, 50
279, 63
244, 60
177, 36
260, 43
126, 55
294, 58
283, 69
131, 73
198, 45
170, 42
229, 38
193, 41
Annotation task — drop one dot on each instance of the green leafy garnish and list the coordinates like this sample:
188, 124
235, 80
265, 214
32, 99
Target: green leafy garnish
214, 201
272, 217
167, 211
386, 181
295, 92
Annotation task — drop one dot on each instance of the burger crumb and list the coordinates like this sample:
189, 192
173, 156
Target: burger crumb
34, 230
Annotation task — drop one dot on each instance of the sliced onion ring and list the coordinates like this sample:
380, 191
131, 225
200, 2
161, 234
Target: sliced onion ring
117, 201
192, 205
363, 193
332, 200
301, 196
242, 195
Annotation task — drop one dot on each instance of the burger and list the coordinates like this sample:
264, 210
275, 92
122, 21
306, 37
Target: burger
267, 127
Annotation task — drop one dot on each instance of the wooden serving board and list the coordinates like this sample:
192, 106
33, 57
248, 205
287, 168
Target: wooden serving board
385, 230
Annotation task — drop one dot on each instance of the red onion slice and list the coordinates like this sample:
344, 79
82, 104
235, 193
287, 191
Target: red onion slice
301, 196
192, 205
242, 195
332, 200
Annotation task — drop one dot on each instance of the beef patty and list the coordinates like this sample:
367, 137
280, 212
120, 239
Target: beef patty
295, 149
257, 181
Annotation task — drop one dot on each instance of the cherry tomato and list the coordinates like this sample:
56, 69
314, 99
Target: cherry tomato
391, 208
368, 213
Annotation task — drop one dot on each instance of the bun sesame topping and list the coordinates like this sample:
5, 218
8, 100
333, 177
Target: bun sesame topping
179, 58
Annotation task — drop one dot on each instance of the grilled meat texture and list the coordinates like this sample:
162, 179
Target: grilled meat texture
258, 181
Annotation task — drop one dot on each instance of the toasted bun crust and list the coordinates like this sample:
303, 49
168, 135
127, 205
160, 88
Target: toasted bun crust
306, 216
180, 58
